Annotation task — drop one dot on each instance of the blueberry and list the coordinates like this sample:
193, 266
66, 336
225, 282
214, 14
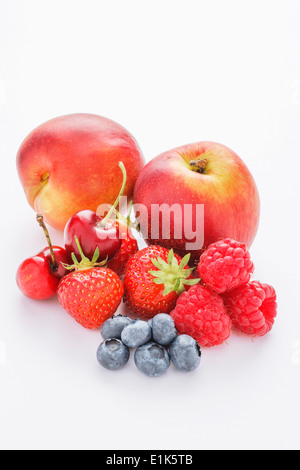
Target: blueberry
135, 334
150, 323
185, 353
163, 329
152, 359
112, 354
112, 328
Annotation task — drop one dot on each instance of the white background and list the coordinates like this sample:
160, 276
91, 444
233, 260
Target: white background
172, 73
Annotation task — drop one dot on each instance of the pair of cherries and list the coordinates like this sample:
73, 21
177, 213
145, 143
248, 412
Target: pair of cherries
38, 277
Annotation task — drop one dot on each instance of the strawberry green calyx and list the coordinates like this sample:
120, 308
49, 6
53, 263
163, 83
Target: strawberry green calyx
84, 263
172, 274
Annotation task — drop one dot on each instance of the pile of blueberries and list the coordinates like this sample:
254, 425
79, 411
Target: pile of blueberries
157, 343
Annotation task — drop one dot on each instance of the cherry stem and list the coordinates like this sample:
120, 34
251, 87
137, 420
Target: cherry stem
113, 207
135, 225
126, 220
41, 222
129, 211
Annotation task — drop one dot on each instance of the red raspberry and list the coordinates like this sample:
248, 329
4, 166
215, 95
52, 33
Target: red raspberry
201, 314
225, 265
252, 308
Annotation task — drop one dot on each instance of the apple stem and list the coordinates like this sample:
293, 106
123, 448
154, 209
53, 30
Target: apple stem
113, 207
41, 222
199, 165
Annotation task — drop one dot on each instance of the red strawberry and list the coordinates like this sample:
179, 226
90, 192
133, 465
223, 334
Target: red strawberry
154, 279
128, 248
91, 294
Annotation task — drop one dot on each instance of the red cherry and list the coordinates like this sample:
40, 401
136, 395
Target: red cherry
61, 258
94, 232
86, 226
38, 277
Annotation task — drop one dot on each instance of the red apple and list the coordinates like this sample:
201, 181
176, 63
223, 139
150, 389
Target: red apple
209, 190
70, 164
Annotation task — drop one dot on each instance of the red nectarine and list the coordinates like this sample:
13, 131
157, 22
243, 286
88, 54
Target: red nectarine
70, 163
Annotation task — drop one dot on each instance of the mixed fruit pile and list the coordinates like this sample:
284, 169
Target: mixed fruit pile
176, 304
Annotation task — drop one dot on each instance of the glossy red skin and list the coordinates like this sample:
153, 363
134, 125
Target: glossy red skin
85, 226
71, 163
60, 257
35, 276
128, 248
228, 192
143, 297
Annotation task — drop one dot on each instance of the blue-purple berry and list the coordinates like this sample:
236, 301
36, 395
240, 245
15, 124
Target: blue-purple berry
113, 354
163, 329
185, 353
113, 327
135, 334
152, 359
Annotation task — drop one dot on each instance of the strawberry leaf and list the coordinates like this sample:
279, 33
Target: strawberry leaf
185, 261
191, 282
172, 274
158, 281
